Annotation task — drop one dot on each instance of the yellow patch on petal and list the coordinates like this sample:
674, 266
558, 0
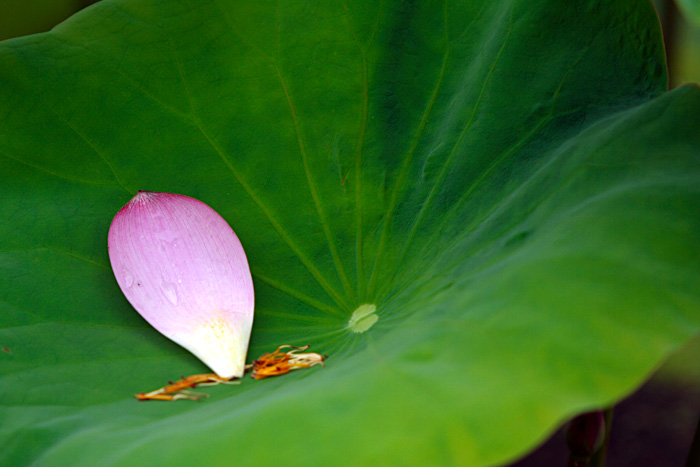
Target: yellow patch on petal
219, 345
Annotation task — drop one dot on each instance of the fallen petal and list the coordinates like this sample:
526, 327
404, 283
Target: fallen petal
184, 270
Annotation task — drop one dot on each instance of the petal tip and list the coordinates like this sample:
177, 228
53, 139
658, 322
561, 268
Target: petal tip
221, 343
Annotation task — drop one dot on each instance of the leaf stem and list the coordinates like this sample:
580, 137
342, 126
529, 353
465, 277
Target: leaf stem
694, 454
669, 29
599, 458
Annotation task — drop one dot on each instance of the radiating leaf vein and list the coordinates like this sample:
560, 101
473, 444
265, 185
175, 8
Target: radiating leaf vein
445, 168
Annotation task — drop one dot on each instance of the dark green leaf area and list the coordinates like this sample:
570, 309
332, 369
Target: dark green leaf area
486, 214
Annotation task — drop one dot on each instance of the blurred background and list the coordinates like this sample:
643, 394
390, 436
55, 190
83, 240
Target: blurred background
680, 21
22, 17
655, 425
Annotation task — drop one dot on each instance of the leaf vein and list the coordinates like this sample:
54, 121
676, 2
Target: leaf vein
320, 306
450, 157
312, 188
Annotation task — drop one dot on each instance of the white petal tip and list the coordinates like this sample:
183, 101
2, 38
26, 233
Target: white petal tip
221, 343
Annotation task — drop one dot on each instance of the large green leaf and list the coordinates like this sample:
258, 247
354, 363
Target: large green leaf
505, 180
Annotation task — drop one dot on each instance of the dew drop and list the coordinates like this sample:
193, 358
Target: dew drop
128, 278
170, 292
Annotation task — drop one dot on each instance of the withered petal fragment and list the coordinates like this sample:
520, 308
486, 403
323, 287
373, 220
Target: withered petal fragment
180, 389
276, 363
280, 363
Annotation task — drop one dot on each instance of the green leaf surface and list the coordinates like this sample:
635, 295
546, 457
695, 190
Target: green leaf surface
506, 181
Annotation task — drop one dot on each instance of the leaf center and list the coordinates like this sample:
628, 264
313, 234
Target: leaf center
363, 318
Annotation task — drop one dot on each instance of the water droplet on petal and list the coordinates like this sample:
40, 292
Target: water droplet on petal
170, 292
128, 278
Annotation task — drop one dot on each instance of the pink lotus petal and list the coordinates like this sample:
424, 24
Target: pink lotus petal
184, 270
